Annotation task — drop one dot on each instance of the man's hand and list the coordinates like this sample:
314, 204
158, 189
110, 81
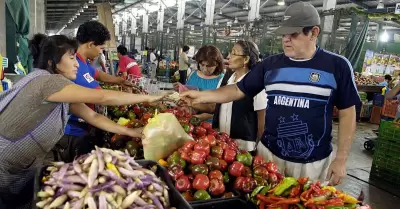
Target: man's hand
176, 86
192, 97
134, 132
126, 83
336, 172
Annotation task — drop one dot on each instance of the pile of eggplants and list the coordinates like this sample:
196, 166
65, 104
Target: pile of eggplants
103, 179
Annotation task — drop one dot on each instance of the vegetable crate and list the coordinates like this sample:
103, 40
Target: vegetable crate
232, 203
381, 174
390, 108
389, 131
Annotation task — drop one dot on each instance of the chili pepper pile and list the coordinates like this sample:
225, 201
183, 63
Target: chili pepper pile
213, 164
302, 193
102, 179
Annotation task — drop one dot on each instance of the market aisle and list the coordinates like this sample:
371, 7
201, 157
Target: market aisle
358, 168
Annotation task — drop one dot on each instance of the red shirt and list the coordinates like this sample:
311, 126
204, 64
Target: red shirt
129, 65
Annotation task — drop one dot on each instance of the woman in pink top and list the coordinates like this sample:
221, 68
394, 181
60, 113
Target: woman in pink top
127, 66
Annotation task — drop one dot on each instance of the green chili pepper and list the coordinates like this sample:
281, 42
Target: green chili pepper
266, 189
307, 185
300, 206
226, 177
257, 190
284, 185
286, 193
245, 158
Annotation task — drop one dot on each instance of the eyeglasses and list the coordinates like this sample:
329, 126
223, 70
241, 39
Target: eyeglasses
242, 55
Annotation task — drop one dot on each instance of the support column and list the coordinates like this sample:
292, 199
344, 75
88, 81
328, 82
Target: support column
36, 17
352, 33
3, 42
180, 24
133, 32
254, 11
209, 21
326, 22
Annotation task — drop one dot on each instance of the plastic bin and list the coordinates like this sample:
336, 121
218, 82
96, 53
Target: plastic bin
231, 203
389, 131
175, 197
390, 108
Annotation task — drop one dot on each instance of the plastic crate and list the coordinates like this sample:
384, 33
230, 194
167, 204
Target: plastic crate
385, 175
389, 131
233, 203
175, 197
390, 108
387, 161
366, 110
375, 115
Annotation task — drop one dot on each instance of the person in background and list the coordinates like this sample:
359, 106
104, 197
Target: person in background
394, 93
243, 119
209, 73
99, 63
386, 82
127, 66
79, 136
303, 84
33, 114
153, 61
183, 64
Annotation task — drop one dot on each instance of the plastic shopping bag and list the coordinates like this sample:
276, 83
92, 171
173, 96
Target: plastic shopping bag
183, 88
162, 136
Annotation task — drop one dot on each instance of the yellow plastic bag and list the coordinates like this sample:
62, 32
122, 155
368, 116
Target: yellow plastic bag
162, 136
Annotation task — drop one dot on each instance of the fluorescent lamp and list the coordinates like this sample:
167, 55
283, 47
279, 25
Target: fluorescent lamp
380, 5
281, 2
384, 37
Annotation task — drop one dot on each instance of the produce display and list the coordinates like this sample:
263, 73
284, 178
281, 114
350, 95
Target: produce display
102, 179
302, 193
364, 80
213, 166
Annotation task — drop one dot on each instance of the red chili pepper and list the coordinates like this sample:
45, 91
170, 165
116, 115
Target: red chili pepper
288, 201
295, 192
331, 202
265, 199
276, 198
303, 180
262, 205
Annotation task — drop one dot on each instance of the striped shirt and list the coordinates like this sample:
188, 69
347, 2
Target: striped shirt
301, 96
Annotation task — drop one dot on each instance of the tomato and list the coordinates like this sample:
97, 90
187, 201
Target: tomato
217, 187
239, 183
186, 156
210, 139
179, 113
223, 136
183, 184
206, 125
271, 167
216, 174
136, 109
201, 182
217, 151
222, 144
229, 155
189, 145
200, 131
212, 132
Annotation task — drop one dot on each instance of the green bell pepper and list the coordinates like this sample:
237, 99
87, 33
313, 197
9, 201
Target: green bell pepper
174, 159
186, 127
182, 162
245, 158
284, 185
195, 121
201, 195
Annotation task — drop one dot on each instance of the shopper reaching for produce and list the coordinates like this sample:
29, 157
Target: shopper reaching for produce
34, 112
303, 84
393, 93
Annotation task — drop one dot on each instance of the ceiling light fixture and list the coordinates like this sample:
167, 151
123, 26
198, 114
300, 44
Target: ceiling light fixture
85, 6
81, 10
246, 6
281, 2
170, 21
91, 2
384, 37
236, 20
380, 5
220, 11
216, 23
201, 24
168, 30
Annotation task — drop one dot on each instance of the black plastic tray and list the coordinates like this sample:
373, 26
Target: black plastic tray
175, 197
231, 203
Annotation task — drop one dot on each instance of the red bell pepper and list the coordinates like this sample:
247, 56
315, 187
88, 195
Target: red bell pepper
176, 171
206, 125
201, 182
197, 157
249, 184
217, 187
223, 165
229, 155
186, 156
236, 169
200, 131
201, 146
217, 151
239, 183
216, 174
271, 167
258, 160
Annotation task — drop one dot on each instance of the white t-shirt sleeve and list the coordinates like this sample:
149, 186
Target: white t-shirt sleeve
260, 101
103, 58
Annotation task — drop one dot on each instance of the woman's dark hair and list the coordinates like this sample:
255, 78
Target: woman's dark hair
44, 49
212, 55
388, 77
185, 48
122, 50
250, 49
92, 31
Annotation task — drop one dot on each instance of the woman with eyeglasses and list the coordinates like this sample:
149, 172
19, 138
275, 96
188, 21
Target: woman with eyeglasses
243, 120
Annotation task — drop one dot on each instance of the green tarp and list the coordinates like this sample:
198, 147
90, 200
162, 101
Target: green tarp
19, 12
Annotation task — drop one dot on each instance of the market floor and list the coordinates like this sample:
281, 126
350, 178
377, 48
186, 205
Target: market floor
377, 194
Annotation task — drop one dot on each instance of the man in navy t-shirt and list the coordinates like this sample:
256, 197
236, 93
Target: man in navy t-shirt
302, 85
91, 36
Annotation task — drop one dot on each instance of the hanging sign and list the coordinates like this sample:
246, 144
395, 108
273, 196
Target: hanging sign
397, 9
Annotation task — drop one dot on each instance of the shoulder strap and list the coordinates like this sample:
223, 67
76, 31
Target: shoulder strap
7, 96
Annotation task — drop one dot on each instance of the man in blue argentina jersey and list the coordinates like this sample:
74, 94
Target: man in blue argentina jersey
303, 84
